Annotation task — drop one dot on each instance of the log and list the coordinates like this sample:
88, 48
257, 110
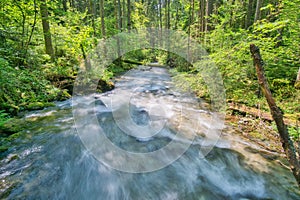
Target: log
132, 62
241, 108
276, 113
156, 65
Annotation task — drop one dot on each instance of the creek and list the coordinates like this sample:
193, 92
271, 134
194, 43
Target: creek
56, 158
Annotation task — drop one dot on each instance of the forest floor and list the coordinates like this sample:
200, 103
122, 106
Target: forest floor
258, 131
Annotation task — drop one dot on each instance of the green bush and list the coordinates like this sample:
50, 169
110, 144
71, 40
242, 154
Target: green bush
20, 87
4, 117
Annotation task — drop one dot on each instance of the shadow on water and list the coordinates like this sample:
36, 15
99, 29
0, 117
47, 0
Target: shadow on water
50, 161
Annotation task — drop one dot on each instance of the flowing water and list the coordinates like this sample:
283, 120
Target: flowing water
50, 160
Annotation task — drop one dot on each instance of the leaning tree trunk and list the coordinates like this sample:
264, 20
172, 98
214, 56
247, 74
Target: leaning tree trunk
46, 29
277, 115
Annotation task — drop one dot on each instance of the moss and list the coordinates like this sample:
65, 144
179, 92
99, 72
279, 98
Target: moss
257, 135
38, 105
12, 126
3, 148
63, 95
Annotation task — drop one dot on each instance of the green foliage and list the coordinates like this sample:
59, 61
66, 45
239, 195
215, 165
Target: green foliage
4, 117
28, 75
294, 133
276, 35
21, 87
139, 18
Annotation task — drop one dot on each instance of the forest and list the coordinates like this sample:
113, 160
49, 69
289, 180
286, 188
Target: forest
44, 44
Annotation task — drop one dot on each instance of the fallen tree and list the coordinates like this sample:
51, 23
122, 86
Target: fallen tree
132, 62
258, 113
277, 114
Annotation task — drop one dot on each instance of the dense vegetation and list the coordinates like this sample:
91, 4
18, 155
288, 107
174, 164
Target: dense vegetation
43, 44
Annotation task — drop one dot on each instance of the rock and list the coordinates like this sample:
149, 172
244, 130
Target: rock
11, 157
12, 126
104, 86
98, 102
38, 105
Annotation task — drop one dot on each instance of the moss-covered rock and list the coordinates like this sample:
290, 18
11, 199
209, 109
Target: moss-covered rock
12, 126
63, 95
3, 148
38, 105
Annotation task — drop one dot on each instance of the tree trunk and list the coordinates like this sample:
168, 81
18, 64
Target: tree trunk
102, 19
203, 15
167, 25
128, 16
92, 15
46, 29
71, 3
32, 28
169, 15
23, 24
209, 9
193, 10
249, 13
277, 114
176, 18
123, 18
297, 83
160, 15
257, 10
189, 28
199, 18
119, 17
64, 4
118, 25
231, 14
160, 22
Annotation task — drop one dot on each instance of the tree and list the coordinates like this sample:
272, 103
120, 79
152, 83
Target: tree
277, 114
128, 15
201, 16
64, 4
92, 15
102, 18
257, 10
119, 16
46, 29
32, 28
160, 14
249, 14
209, 9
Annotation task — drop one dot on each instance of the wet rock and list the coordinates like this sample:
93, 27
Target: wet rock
98, 102
11, 157
139, 115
